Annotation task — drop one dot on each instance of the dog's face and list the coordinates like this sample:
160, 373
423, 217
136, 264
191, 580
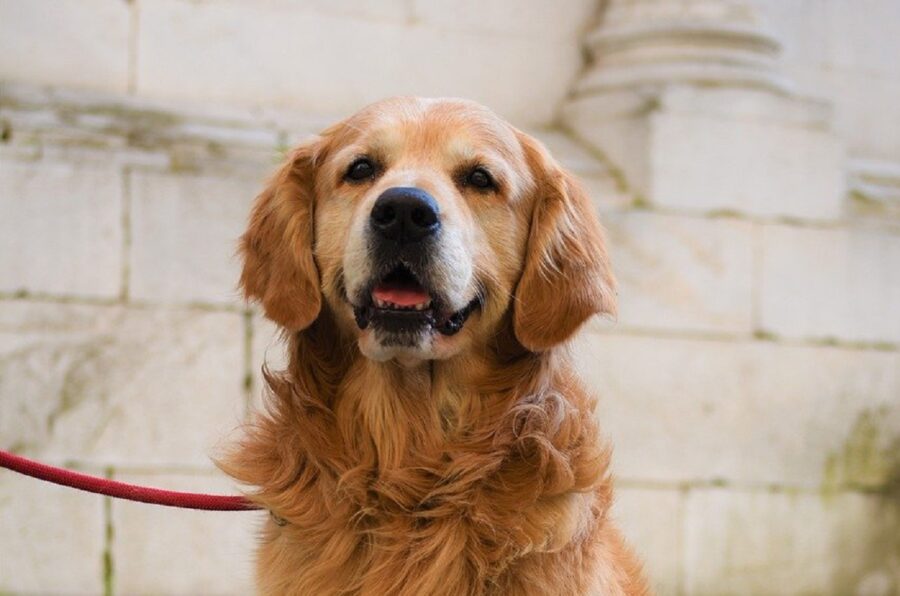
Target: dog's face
421, 223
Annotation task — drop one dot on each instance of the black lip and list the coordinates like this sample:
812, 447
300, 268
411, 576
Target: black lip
410, 322
413, 321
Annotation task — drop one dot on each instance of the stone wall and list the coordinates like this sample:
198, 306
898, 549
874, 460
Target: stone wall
745, 158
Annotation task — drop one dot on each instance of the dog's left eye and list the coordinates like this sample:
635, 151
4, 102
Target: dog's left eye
480, 178
360, 169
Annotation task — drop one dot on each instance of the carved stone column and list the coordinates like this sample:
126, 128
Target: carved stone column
687, 100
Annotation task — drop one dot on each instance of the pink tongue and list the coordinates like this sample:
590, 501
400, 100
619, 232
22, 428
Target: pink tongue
401, 296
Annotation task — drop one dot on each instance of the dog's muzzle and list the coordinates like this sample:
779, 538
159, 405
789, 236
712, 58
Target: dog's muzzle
405, 227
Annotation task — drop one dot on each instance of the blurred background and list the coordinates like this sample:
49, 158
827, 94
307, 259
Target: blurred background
743, 154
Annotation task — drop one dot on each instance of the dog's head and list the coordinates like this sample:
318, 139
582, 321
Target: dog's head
421, 223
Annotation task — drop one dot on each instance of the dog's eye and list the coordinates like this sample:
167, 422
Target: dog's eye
480, 178
361, 169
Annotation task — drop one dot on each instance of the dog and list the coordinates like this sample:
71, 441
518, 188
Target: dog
428, 263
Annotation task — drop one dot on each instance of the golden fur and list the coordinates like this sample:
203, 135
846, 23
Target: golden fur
475, 470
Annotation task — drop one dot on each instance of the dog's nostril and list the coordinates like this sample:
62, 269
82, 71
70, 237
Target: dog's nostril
424, 217
383, 214
405, 214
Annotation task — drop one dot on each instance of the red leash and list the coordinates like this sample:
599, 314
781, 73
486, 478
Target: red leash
123, 490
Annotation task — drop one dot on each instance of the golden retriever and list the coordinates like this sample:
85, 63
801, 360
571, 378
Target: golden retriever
428, 263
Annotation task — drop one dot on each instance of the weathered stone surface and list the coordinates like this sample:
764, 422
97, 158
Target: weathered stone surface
76, 43
652, 521
836, 51
682, 273
830, 284
60, 231
572, 155
762, 168
241, 54
389, 10
159, 550
53, 538
184, 235
118, 385
718, 150
867, 113
765, 543
507, 17
748, 412
864, 35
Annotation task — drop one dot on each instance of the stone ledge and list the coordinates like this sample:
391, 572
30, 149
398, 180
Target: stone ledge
49, 123
62, 124
874, 188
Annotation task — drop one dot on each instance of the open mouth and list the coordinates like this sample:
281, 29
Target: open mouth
400, 290
400, 303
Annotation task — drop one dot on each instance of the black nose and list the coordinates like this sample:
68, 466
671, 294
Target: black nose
405, 214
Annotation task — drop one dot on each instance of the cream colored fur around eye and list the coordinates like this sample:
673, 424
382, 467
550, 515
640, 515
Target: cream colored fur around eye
452, 268
357, 256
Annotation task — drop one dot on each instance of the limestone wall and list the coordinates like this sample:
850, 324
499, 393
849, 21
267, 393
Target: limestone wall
745, 158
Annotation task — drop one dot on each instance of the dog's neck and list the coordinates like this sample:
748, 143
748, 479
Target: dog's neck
387, 413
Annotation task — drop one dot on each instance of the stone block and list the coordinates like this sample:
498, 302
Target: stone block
680, 410
747, 543
72, 43
264, 54
53, 538
61, 230
651, 520
718, 150
682, 273
703, 163
858, 38
184, 235
557, 20
571, 154
115, 385
866, 112
830, 284
160, 550
836, 51
388, 10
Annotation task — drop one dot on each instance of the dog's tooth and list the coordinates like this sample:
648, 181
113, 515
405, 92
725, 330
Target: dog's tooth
380, 303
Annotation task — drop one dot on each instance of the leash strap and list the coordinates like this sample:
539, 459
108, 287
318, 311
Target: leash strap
123, 490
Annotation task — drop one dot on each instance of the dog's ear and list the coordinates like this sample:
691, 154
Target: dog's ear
277, 248
567, 276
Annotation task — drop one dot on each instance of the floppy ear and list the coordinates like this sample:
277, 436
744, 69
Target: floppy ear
279, 268
567, 276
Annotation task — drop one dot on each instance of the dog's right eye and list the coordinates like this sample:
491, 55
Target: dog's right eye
361, 169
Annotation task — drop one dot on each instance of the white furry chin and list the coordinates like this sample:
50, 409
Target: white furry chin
431, 346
